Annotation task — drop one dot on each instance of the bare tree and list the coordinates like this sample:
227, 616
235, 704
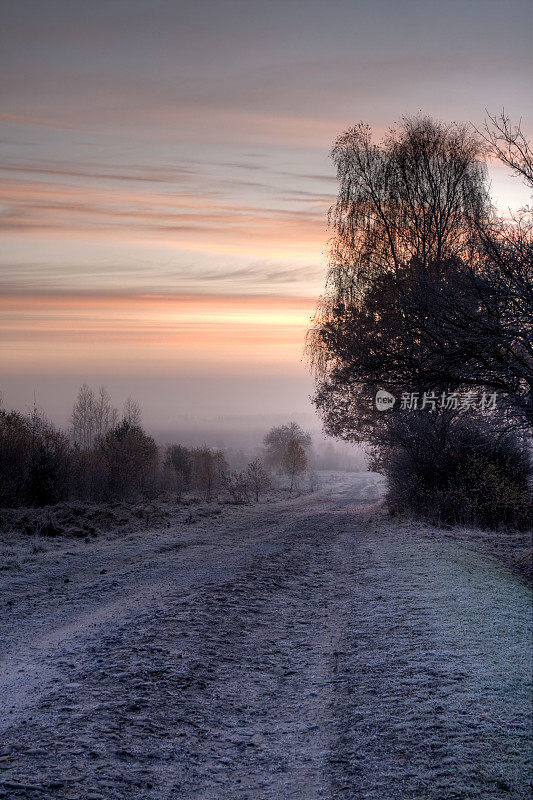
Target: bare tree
277, 439
132, 412
414, 196
83, 418
294, 461
509, 144
178, 466
92, 417
507, 248
105, 415
257, 478
237, 484
209, 469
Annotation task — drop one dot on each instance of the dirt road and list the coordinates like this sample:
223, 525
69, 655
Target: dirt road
307, 649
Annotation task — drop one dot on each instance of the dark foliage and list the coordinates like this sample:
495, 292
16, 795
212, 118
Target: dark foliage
456, 470
177, 469
34, 461
426, 288
130, 459
209, 471
429, 291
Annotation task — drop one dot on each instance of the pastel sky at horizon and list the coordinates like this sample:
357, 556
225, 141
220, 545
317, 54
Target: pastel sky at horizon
166, 180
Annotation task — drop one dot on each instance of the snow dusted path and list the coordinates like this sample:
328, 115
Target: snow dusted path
308, 649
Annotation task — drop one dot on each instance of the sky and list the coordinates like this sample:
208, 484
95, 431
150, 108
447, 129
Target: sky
166, 180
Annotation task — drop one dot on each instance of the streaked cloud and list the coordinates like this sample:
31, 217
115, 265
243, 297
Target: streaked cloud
153, 333
166, 164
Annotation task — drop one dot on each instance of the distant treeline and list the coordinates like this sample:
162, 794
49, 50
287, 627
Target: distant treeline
108, 456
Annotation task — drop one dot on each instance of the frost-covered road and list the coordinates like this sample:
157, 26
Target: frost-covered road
307, 649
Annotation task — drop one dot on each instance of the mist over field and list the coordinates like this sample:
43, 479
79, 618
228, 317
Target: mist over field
172, 401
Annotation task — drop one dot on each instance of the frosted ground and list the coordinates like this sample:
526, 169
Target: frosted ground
305, 648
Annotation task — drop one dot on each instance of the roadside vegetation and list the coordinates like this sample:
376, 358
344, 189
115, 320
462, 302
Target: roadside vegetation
429, 299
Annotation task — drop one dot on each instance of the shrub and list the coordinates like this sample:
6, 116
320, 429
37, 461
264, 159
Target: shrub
294, 461
34, 460
279, 438
130, 460
457, 471
257, 477
238, 487
177, 468
209, 470
88, 474
49, 464
15, 446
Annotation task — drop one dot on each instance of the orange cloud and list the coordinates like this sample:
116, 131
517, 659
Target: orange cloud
186, 220
153, 333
